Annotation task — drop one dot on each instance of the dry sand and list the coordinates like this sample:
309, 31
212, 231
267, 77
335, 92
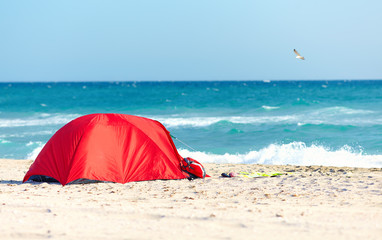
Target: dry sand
308, 203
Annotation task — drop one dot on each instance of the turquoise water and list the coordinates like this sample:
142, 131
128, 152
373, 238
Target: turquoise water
335, 123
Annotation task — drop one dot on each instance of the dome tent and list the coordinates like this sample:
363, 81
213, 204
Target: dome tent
109, 147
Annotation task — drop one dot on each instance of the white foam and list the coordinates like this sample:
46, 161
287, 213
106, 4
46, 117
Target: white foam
269, 107
27, 134
296, 153
340, 116
41, 120
330, 111
32, 155
4, 141
331, 116
207, 121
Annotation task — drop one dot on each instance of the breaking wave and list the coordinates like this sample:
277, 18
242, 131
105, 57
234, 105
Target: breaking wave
269, 107
287, 119
4, 141
38, 147
40, 120
328, 116
296, 153
331, 116
208, 121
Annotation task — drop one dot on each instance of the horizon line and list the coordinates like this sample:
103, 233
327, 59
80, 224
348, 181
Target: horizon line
241, 80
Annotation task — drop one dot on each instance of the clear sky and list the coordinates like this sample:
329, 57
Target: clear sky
128, 40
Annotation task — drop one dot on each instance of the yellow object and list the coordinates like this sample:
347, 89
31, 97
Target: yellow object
258, 174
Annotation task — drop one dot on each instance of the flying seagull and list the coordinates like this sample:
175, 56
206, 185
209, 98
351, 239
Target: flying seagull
298, 55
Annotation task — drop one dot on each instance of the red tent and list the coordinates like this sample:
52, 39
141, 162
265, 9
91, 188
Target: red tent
109, 147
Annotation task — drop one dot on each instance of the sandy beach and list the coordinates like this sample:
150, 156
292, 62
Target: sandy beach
312, 202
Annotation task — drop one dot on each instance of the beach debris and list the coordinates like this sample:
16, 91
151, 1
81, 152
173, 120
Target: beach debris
252, 174
259, 174
229, 175
298, 55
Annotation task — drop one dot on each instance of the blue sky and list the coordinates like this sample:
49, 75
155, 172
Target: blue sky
123, 40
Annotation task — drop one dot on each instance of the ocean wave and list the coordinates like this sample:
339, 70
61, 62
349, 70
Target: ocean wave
40, 120
296, 153
339, 110
27, 134
176, 122
207, 121
4, 141
37, 147
299, 120
330, 116
269, 107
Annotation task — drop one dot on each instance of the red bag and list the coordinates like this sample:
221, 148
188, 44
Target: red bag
194, 168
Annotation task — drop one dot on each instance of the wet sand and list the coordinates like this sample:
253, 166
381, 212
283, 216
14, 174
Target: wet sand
311, 202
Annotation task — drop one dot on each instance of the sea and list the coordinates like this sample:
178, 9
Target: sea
329, 123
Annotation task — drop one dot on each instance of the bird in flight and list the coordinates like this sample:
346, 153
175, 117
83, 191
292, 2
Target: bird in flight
298, 55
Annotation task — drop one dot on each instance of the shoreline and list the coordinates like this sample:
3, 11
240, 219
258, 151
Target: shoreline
308, 202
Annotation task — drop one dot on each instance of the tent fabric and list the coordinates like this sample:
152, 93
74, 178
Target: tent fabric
109, 147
